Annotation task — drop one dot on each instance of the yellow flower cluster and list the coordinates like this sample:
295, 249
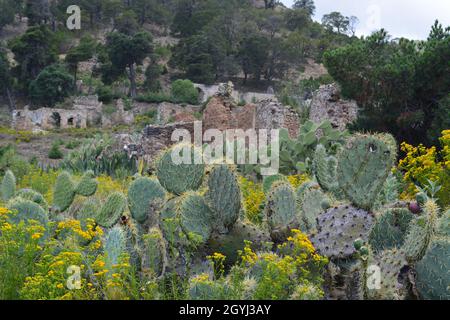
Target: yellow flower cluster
422, 164
254, 197
297, 180
92, 230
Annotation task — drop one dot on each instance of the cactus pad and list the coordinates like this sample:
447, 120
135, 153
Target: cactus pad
195, 216
87, 186
338, 228
390, 229
8, 186
433, 271
179, 178
142, 192
112, 210
64, 192
224, 196
363, 166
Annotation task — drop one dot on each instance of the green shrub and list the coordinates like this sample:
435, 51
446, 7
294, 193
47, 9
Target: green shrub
183, 91
55, 153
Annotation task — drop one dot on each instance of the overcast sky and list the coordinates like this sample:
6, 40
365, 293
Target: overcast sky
402, 18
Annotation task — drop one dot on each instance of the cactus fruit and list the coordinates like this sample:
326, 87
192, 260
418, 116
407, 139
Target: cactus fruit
390, 229
30, 194
223, 196
141, 194
281, 211
338, 228
230, 243
270, 180
325, 170
8, 186
87, 186
114, 247
363, 166
112, 210
433, 271
27, 210
179, 178
390, 263
312, 205
64, 192
420, 232
195, 216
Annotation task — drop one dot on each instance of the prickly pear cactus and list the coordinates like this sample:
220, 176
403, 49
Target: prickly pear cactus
141, 193
270, 180
179, 178
154, 250
363, 166
223, 196
338, 228
443, 224
87, 186
390, 263
89, 209
420, 232
303, 188
30, 194
312, 204
281, 210
230, 243
390, 229
27, 210
433, 271
325, 170
389, 192
196, 218
115, 242
8, 186
64, 192
112, 210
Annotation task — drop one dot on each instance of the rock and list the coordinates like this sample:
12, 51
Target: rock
327, 104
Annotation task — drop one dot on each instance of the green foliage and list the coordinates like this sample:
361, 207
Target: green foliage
141, 195
223, 195
396, 83
179, 178
296, 154
363, 167
8, 186
183, 91
55, 152
97, 154
154, 251
64, 192
89, 209
112, 210
34, 50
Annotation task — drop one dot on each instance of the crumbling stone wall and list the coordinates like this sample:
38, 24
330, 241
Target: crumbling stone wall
170, 112
327, 104
207, 92
48, 118
157, 138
